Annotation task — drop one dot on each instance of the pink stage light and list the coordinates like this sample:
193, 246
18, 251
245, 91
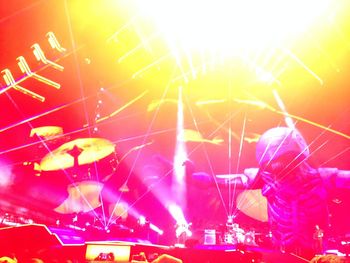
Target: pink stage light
142, 220
177, 214
180, 157
6, 176
156, 229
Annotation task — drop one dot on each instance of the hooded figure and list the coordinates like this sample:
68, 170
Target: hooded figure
296, 193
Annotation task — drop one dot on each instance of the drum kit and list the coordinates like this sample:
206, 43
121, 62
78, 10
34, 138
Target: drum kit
235, 235
85, 163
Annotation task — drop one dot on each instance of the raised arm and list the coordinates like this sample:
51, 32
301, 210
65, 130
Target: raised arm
343, 179
242, 180
335, 177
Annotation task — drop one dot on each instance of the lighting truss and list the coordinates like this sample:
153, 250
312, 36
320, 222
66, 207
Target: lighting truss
23, 65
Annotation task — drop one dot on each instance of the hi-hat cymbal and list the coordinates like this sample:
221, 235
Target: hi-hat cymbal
85, 150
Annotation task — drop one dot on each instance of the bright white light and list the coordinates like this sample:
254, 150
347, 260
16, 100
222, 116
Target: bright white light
180, 151
180, 157
179, 161
156, 229
177, 214
183, 229
264, 76
6, 176
231, 25
142, 220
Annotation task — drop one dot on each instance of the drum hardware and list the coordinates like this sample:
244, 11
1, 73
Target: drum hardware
89, 162
47, 132
235, 235
77, 152
249, 238
84, 159
235, 238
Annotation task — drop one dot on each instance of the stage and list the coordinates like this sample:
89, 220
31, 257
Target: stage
52, 244
211, 131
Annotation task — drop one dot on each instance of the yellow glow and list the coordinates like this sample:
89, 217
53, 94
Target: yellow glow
232, 25
186, 41
88, 151
210, 47
195, 136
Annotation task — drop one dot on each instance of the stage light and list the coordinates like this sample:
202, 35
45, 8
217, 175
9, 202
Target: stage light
40, 56
54, 42
142, 221
156, 229
177, 213
11, 83
261, 38
180, 157
6, 176
182, 231
232, 25
24, 67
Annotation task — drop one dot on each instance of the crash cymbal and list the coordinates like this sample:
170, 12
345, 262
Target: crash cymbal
77, 152
252, 203
46, 132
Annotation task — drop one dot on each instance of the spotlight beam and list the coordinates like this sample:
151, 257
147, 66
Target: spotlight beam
138, 47
220, 126
180, 157
153, 64
288, 120
263, 105
239, 157
303, 65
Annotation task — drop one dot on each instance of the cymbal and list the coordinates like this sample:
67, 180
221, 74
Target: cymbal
252, 203
46, 131
85, 150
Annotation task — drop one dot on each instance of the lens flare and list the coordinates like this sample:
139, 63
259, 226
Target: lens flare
230, 26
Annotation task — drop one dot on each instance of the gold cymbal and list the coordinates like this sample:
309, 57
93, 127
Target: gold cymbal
47, 132
85, 150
